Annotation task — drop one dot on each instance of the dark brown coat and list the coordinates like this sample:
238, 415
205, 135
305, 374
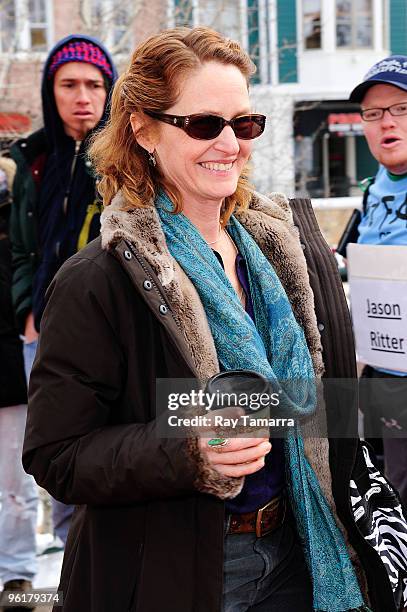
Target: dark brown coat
146, 535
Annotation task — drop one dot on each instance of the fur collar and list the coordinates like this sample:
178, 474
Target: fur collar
268, 220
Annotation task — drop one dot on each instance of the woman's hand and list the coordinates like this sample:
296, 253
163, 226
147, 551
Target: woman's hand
239, 457
30, 333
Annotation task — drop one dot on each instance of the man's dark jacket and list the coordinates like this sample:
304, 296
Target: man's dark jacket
13, 388
45, 230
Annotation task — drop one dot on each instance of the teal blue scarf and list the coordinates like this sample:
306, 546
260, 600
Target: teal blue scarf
274, 346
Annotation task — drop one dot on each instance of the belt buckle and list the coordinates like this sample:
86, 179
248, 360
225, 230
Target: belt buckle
279, 500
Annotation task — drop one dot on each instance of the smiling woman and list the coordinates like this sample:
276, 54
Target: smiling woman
203, 171
194, 274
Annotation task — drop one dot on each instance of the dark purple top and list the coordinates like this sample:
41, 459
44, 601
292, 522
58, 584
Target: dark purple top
268, 482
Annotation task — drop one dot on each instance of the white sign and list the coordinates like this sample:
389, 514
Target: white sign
378, 293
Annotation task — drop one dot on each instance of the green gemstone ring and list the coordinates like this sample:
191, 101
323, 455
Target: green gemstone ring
217, 442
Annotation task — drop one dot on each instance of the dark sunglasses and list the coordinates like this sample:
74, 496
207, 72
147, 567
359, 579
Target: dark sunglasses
207, 127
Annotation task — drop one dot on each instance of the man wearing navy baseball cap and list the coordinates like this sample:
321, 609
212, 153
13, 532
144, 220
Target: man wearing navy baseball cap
383, 99
389, 71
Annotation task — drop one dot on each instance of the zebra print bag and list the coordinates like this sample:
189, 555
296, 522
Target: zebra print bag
380, 517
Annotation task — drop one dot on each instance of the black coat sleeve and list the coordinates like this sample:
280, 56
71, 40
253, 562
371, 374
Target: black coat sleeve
22, 258
71, 446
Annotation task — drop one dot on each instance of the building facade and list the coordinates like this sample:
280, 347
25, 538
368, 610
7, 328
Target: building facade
309, 55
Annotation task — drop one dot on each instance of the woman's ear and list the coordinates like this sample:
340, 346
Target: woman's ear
143, 131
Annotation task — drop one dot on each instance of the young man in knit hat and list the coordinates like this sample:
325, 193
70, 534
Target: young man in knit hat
55, 213
383, 99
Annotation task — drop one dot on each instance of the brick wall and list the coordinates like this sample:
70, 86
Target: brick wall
21, 75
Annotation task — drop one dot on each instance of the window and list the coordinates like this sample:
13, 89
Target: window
38, 25
244, 20
253, 36
113, 23
24, 25
223, 16
7, 26
312, 24
123, 39
354, 24
183, 15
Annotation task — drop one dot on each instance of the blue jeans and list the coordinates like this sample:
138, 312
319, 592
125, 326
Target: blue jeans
61, 513
29, 350
266, 574
18, 500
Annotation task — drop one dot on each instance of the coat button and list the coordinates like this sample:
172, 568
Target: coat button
163, 309
147, 285
30, 213
321, 326
127, 255
23, 145
35, 172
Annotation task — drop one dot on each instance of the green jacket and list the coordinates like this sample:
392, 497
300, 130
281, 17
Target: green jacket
29, 155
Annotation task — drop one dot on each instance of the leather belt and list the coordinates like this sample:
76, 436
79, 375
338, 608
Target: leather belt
261, 521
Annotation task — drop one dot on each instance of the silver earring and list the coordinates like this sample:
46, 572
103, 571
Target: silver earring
151, 159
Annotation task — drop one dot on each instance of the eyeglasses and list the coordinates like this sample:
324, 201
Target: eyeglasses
374, 114
207, 127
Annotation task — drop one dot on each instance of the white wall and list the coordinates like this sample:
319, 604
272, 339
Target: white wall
273, 157
332, 75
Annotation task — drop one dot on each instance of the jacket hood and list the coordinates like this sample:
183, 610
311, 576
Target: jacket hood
53, 125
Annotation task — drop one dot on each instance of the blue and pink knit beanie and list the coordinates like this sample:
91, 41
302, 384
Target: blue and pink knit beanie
80, 51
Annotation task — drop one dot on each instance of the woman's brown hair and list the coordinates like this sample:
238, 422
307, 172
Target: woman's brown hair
152, 82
